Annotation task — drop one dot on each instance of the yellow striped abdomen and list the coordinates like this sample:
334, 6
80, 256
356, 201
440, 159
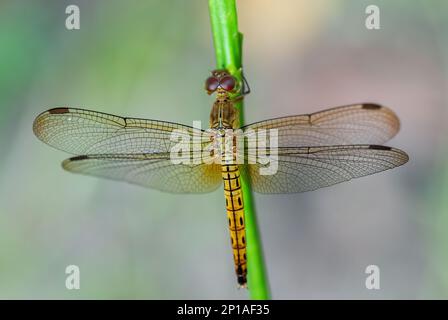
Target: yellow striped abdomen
235, 214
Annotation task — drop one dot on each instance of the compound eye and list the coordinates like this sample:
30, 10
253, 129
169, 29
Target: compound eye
211, 84
227, 83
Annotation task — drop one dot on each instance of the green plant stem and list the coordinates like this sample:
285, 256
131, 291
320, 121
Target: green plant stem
228, 49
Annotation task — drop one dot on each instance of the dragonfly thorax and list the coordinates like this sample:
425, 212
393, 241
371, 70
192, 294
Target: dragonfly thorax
223, 114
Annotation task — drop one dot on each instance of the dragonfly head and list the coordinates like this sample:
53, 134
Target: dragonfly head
221, 81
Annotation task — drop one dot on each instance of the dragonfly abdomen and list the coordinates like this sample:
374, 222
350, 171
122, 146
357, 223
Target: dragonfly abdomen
235, 215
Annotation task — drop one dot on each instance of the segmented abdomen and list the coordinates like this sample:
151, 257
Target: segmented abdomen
235, 214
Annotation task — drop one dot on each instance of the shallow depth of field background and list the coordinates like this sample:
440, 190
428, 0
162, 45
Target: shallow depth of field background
149, 59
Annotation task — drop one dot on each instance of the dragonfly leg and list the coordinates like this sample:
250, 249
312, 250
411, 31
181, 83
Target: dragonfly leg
245, 89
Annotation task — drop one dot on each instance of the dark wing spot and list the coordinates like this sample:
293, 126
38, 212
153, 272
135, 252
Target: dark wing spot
244, 240
376, 147
77, 158
241, 221
371, 106
230, 222
58, 110
239, 200
244, 256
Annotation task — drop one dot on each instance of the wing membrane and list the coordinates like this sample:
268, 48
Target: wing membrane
79, 131
149, 170
353, 124
310, 168
315, 150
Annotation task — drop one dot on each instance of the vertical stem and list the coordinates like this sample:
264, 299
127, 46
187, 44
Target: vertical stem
228, 49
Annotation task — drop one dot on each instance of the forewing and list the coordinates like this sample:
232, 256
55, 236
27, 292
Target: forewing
80, 131
346, 125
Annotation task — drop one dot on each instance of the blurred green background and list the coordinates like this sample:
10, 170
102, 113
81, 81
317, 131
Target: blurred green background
149, 59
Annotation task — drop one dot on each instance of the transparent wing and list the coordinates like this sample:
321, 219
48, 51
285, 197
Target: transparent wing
149, 170
79, 131
311, 168
353, 124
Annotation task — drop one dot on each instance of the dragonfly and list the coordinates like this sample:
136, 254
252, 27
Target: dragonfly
312, 151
